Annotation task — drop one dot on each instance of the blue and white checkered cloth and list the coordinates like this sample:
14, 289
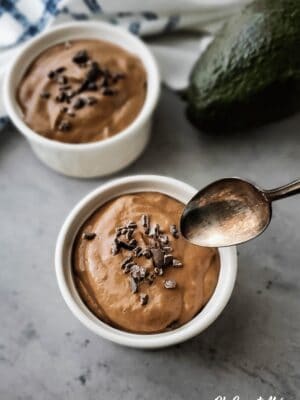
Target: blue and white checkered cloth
20, 20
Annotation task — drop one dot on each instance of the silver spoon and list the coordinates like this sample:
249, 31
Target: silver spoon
230, 211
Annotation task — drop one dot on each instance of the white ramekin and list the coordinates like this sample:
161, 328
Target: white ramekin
76, 218
89, 159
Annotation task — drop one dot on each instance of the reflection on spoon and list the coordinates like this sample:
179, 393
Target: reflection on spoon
230, 211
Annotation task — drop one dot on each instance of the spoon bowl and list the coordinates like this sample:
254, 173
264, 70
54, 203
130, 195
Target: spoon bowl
227, 212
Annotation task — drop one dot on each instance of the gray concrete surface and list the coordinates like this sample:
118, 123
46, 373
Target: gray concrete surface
252, 350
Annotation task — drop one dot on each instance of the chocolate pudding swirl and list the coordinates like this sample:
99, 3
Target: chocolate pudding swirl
82, 91
134, 270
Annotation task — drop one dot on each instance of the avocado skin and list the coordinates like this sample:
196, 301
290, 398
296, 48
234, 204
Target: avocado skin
250, 73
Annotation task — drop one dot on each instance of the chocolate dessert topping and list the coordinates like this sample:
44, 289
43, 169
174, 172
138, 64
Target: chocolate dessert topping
126, 261
126, 246
64, 126
64, 88
108, 73
138, 251
94, 72
92, 86
51, 74
145, 220
127, 267
108, 92
158, 257
60, 70
89, 83
170, 284
144, 299
174, 231
147, 253
91, 100
157, 248
133, 285
168, 260
135, 272
131, 225
118, 231
45, 95
167, 249
88, 235
69, 95
176, 263
117, 77
81, 57
79, 103
62, 80
115, 248
129, 234
132, 242
143, 272
158, 271
164, 239
60, 98
150, 278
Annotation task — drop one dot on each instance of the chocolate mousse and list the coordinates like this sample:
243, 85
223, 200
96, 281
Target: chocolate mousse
82, 91
134, 270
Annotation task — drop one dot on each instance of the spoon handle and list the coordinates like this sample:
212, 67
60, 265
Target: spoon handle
288, 190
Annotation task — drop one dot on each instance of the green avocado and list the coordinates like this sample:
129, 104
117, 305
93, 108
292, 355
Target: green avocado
250, 73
